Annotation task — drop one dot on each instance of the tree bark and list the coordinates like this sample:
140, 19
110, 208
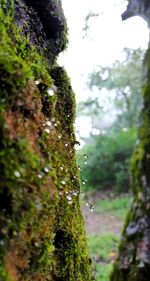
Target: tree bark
133, 262
42, 233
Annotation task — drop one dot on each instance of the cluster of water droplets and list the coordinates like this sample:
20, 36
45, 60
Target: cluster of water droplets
49, 124
83, 182
45, 171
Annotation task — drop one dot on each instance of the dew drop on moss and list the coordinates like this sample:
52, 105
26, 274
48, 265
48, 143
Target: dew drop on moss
63, 182
17, 174
69, 198
40, 176
47, 130
37, 82
75, 193
46, 169
50, 92
60, 193
48, 123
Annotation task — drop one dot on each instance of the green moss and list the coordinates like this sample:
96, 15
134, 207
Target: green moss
42, 233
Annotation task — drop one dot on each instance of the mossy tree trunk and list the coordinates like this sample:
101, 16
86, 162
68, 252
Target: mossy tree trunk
41, 226
133, 262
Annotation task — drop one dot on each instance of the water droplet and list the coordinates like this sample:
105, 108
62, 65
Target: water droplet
66, 170
91, 208
83, 182
36, 244
70, 202
75, 193
40, 176
47, 130
69, 198
74, 177
46, 169
85, 162
82, 195
67, 192
60, 193
37, 82
63, 182
17, 174
55, 124
68, 115
85, 156
61, 168
79, 168
59, 137
66, 144
48, 123
50, 92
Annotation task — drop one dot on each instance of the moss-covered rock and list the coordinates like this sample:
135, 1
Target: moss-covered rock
42, 233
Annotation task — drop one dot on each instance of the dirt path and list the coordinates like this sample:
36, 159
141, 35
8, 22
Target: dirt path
98, 223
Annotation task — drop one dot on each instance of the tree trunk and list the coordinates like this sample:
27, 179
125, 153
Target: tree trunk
41, 226
133, 262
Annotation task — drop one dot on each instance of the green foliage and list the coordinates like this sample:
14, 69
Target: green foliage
117, 206
100, 246
108, 161
103, 271
124, 78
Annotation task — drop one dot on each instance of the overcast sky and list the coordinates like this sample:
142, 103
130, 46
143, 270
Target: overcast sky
108, 35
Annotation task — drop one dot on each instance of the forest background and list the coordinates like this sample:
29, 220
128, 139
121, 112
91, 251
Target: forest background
106, 127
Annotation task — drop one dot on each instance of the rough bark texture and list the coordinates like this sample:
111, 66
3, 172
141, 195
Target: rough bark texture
41, 227
133, 262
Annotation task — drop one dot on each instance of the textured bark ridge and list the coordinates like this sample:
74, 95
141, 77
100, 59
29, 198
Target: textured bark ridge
41, 227
133, 262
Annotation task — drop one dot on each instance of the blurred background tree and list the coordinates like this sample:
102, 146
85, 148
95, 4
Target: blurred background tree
110, 143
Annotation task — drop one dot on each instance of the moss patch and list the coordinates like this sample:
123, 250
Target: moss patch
42, 231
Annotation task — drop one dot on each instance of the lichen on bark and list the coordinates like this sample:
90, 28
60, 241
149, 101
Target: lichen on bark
42, 233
